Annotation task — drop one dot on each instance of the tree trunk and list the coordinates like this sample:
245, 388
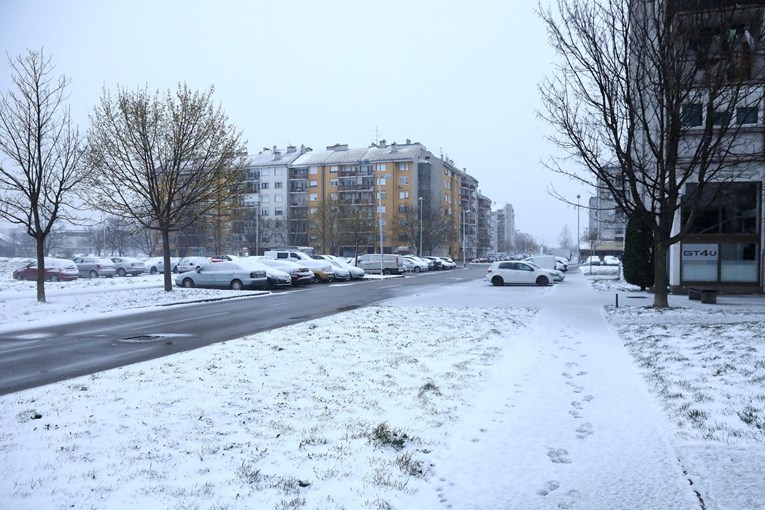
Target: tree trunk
40, 270
660, 295
168, 272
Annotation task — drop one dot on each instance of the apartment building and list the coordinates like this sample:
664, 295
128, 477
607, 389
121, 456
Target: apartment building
725, 247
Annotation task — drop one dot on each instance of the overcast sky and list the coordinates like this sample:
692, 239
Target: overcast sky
459, 77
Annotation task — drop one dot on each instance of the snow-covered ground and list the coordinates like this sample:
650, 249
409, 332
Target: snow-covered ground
468, 397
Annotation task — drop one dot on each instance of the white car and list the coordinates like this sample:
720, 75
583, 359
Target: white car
299, 274
516, 272
356, 272
610, 260
558, 276
223, 275
154, 265
191, 263
592, 260
447, 263
276, 277
418, 265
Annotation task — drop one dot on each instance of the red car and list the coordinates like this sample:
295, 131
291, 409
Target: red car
55, 270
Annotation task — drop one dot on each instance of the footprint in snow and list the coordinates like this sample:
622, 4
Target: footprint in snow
567, 375
576, 405
572, 364
588, 398
558, 456
569, 499
576, 387
548, 488
584, 431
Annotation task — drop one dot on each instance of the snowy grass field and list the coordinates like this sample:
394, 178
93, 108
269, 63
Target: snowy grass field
344, 412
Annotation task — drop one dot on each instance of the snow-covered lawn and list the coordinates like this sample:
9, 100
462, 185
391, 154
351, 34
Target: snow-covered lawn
369, 408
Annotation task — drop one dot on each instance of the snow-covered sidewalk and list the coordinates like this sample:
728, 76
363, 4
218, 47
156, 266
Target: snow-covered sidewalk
564, 420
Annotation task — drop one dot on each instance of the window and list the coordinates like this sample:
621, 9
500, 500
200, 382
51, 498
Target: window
264, 171
264, 211
314, 170
278, 212
403, 167
381, 195
403, 180
314, 210
264, 199
403, 194
278, 197
333, 196
381, 181
691, 114
333, 169
314, 197
277, 171
733, 209
380, 209
314, 184
381, 167
747, 115
721, 118
738, 262
263, 185
333, 183
278, 185
403, 208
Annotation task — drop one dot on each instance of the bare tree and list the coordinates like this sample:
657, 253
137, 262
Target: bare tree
325, 224
96, 236
564, 239
119, 234
644, 97
437, 228
44, 150
146, 239
356, 223
164, 161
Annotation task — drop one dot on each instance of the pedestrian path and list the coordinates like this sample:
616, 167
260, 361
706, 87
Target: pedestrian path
563, 421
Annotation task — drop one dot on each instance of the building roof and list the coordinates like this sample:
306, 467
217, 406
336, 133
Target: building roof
341, 154
275, 157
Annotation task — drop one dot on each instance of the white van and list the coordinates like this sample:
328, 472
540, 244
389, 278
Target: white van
544, 261
391, 264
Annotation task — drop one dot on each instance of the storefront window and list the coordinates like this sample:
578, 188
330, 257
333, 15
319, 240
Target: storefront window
738, 262
729, 209
699, 262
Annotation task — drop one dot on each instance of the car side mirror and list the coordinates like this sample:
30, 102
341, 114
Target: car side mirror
199, 270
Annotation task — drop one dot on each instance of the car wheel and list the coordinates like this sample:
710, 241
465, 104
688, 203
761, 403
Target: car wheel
417, 269
386, 271
153, 270
237, 285
188, 283
542, 280
92, 274
121, 272
497, 281
316, 279
53, 278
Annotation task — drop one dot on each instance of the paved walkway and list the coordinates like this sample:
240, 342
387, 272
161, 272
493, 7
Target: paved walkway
565, 421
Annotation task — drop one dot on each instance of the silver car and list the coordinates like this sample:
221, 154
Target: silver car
93, 267
128, 266
223, 275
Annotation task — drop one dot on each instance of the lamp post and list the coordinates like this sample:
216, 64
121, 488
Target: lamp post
578, 251
464, 235
419, 252
380, 182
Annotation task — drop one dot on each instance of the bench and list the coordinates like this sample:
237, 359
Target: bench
708, 296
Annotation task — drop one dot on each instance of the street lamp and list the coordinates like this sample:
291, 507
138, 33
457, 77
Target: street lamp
380, 181
419, 254
578, 251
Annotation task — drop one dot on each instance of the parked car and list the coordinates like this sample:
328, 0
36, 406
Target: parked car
558, 276
418, 265
341, 272
223, 275
154, 265
276, 277
191, 263
93, 267
447, 263
323, 271
513, 272
128, 266
435, 262
592, 260
610, 260
544, 261
299, 274
55, 270
561, 264
373, 263
356, 272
